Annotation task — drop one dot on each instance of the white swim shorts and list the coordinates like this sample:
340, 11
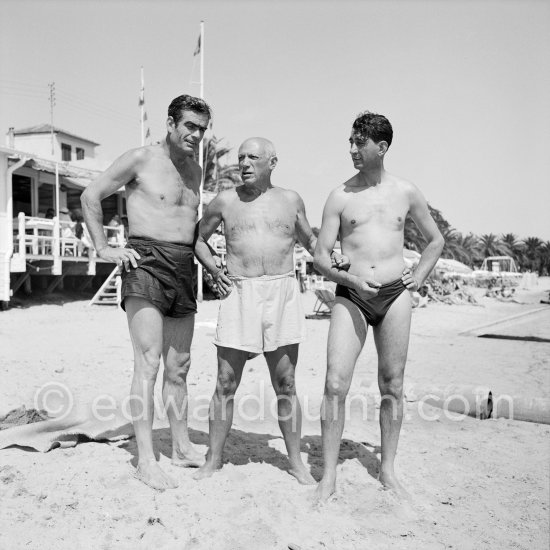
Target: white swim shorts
261, 314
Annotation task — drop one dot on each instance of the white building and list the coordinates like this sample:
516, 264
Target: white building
36, 186
50, 142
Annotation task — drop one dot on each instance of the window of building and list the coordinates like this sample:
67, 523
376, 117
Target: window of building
65, 152
22, 195
46, 198
110, 208
79, 153
73, 198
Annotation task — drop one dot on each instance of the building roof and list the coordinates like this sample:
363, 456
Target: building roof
76, 175
46, 129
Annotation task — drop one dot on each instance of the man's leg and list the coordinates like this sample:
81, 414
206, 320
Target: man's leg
392, 342
178, 333
230, 369
282, 368
346, 338
145, 322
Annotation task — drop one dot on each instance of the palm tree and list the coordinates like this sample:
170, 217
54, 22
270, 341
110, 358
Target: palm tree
513, 245
533, 254
491, 246
414, 239
545, 258
471, 247
453, 248
216, 175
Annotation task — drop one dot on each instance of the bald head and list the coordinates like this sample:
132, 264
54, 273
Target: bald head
257, 159
261, 145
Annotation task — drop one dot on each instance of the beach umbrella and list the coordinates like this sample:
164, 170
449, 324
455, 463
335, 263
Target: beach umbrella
448, 265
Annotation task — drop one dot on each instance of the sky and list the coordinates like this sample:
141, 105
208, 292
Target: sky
465, 84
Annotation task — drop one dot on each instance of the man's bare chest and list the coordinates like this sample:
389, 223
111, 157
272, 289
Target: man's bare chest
166, 187
246, 220
387, 210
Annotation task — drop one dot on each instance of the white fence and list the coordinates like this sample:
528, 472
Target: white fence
51, 239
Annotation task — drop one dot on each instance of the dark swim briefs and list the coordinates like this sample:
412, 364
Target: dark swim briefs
164, 276
374, 309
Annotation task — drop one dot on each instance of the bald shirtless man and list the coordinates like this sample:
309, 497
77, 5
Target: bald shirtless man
263, 312
162, 191
368, 213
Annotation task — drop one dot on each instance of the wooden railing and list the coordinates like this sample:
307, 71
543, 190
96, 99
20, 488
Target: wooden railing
51, 239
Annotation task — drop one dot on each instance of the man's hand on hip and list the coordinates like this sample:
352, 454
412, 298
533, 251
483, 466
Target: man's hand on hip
409, 280
121, 256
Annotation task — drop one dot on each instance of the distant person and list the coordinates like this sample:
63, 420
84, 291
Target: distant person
368, 212
50, 214
114, 238
64, 214
78, 219
81, 232
263, 312
163, 190
114, 221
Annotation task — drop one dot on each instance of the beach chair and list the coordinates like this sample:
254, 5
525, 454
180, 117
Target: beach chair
325, 302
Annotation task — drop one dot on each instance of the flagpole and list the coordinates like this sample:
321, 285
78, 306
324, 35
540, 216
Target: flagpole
142, 107
201, 157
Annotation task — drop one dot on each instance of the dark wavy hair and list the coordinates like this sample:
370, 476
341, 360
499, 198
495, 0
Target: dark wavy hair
188, 103
371, 125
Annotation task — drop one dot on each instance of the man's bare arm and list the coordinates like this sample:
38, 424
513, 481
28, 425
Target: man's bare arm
304, 233
122, 171
325, 243
308, 240
207, 225
422, 218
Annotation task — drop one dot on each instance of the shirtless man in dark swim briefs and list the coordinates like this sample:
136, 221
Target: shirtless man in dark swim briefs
368, 213
162, 189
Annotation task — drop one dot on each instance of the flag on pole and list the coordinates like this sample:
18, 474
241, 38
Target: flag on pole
144, 125
148, 130
141, 97
198, 48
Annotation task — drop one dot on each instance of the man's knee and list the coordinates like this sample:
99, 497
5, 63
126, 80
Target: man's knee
336, 386
285, 385
226, 385
148, 362
177, 367
391, 385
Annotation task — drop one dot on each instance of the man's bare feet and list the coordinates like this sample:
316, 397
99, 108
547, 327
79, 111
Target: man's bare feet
301, 473
325, 489
207, 470
153, 475
390, 482
188, 458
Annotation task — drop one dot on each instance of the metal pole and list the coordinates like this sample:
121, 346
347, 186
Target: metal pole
142, 107
57, 190
52, 103
201, 161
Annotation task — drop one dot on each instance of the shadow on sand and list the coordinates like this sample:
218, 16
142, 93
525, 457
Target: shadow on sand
244, 447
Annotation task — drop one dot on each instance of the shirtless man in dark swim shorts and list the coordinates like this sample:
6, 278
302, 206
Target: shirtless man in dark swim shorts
162, 189
368, 213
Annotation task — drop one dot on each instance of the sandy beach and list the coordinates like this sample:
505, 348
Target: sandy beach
475, 483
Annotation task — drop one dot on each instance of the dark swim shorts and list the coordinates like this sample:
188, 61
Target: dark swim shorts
164, 276
374, 310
